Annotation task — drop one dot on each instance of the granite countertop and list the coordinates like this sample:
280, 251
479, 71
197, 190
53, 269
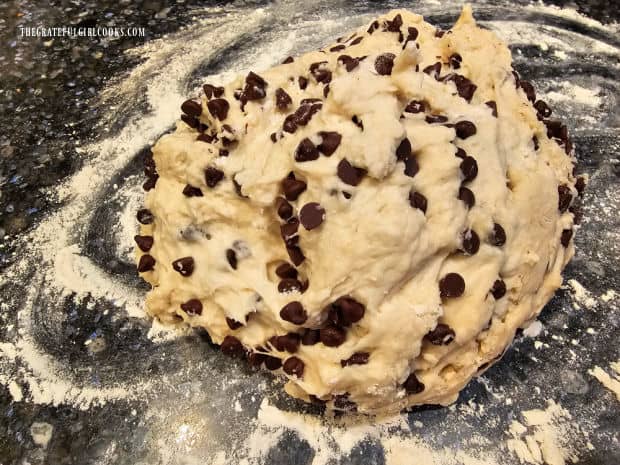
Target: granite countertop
53, 106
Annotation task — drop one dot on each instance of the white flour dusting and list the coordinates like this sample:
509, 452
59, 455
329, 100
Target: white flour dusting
583, 297
611, 382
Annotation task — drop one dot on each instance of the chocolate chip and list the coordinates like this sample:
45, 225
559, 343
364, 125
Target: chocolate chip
499, 289
192, 307
493, 106
190, 121
287, 343
349, 63
306, 151
191, 191
294, 312
332, 336
144, 242
191, 108
310, 337
205, 138
356, 41
145, 216
212, 91
274, 137
465, 129
464, 86
451, 285
303, 82
293, 188
287, 60
295, 254
349, 174
411, 166
564, 197
311, 215
439, 33
469, 168
342, 402
517, 78
184, 266
233, 324
395, 24
345, 311
580, 185
326, 91
498, 235
146, 263
412, 385
331, 141
460, 153
358, 358
272, 363
404, 149
150, 182
528, 88
284, 209
290, 124
535, 142
358, 122
288, 231
384, 64
231, 257
337, 48
412, 33
223, 153
567, 234
218, 108
417, 200
415, 106
440, 336
213, 176
286, 271
289, 285
231, 346
254, 87
293, 366
373, 27
556, 130
471, 242
346, 195
283, 100
455, 60
433, 70
430, 119
256, 359
319, 72
542, 109
302, 115
467, 196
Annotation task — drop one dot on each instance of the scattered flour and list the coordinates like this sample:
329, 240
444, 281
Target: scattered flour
575, 94
582, 296
609, 296
41, 433
610, 382
534, 329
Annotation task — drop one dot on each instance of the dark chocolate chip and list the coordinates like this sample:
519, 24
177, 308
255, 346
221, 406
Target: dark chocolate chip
415, 106
192, 307
542, 109
349, 63
433, 70
384, 63
430, 119
213, 176
326, 91
284, 209
331, 141
311, 215
469, 168
184, 266
283, 100
412, 33
337, 48
567, 234
191, 191
349, 174
346, 195
455, 60
293, 188
451, 285
356, 41
440, 336
295, 254
465, 129
191, 108
358, 358
286, 271
310, 337
212, 91
146, 263
289, 285
497, 236
535, 142
306, 151
411, 166
439, 33
274, 137
254, 87
412, 385
205, 138
303, 82
272, 363
348, 311
289, 342
218, 108
231, 346
256, 359
395, 24
290, 124
332, 336
150, 182
358, 122
460, 153
493, 106
580, 185
288, 59
464, 86
144, 242
288, 231
417, 200
145, 216
231, 257
564, 197
191, 121
404, 149
471, 242
499, 289
373, 27
528, 88
319, 72
233, 324
294, 312
467, 196
293, 366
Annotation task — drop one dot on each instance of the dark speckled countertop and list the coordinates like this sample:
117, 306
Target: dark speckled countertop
49, 108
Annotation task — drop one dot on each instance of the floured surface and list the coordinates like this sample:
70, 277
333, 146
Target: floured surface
181, 388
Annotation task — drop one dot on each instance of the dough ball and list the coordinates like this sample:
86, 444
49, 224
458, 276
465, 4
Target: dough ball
373, 220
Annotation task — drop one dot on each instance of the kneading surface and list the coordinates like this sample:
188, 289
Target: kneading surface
378, 244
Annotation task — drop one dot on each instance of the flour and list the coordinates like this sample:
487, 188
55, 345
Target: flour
41, 433
575, 94
610, 382
582, 297
534, 329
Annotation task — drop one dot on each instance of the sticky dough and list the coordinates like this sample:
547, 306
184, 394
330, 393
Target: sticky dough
406, 290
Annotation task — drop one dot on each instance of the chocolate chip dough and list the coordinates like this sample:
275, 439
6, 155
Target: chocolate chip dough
373, 220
